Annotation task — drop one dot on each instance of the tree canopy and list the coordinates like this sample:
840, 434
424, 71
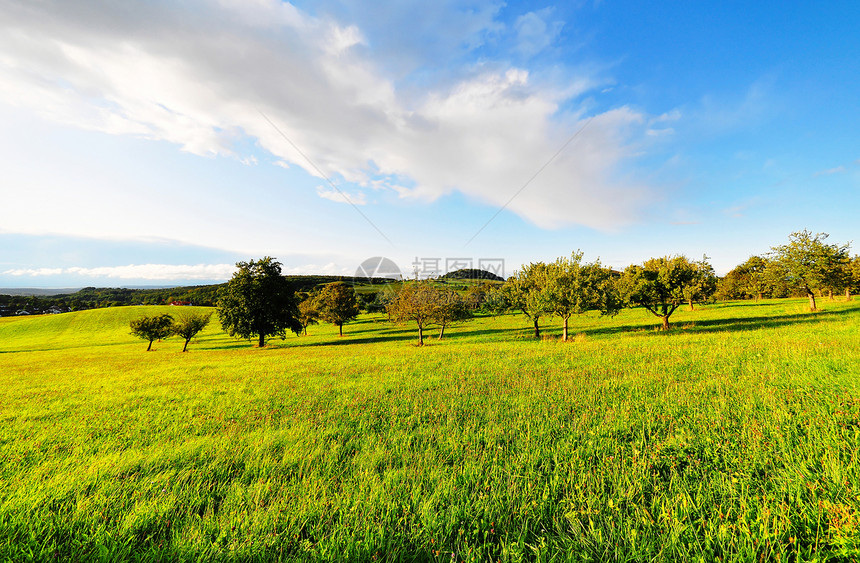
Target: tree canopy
451, 308
659, 285
152, 328
188, 325
573, 288
703, 284
526, 291
809, 263
258, 302
424, 304
308, 312
336, 304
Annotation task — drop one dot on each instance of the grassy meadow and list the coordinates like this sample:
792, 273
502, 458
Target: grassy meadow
733, 437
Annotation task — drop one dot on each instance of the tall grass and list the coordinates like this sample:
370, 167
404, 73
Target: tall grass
735, 436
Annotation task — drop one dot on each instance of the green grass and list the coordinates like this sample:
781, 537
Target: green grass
735, 436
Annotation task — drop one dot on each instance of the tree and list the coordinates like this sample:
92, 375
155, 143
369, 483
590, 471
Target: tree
703, 284
496, 301
658, 285
755, 281
476, 294
258, 301
308, 312
526, 292
853, 277
366, 301
731, 286
809, 263
336, 304
573, 288
189, 325
152, 328
839, 275
450, 308
416, 301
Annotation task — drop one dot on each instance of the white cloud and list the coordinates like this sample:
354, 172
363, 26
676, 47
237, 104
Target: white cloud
199, 74
340, 196
673, 115
659, 132
136, 271
34, 272
830, 171
330, 268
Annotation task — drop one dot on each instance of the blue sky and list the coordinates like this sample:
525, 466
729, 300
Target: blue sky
156, 143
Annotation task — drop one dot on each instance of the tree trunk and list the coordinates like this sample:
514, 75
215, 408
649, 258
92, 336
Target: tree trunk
665, 322
186, 345
262, 341
148, 348
847, 294
420, 336
564, 332
758, 297
340, 328
442, 332
690, 301
811, 300
537, 330
830, 295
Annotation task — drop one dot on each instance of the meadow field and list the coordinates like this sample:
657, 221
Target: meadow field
732, 437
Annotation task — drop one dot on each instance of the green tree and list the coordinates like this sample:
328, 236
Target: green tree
730, 286
573, 288
703, 284
308, 312
853, 285
258, 301
809, 263
839, 275
366, 301
152, 328
451, 308
526, 291
496, 301
756, 280
658, 285
336, 304
476, 294
415, 302
188, 325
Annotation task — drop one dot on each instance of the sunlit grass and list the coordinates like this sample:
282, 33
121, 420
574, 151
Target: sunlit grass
733, 436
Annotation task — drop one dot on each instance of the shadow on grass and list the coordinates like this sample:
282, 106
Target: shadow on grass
380, 331
732, 324
347, 339
745, 304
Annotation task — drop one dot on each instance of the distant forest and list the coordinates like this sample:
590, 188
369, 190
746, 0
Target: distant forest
99, 297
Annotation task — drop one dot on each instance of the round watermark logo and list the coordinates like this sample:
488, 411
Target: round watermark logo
378, 267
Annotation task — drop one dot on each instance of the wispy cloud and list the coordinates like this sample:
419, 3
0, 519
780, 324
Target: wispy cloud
830, 171
331, 194
659, 132
736, 211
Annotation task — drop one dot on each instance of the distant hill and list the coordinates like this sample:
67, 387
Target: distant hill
306, 283
37, 300
37, 290
472, 274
